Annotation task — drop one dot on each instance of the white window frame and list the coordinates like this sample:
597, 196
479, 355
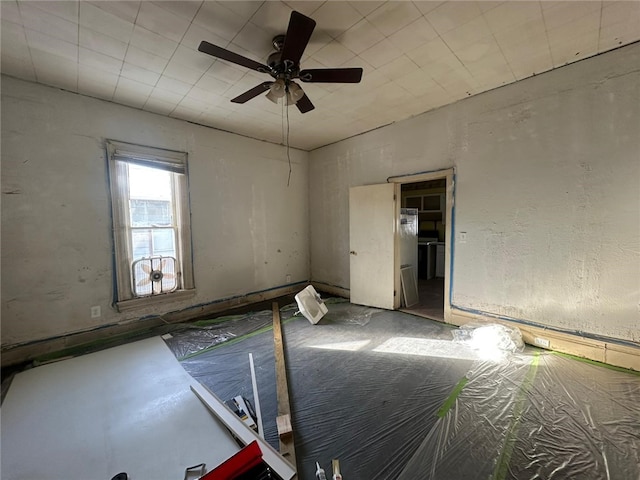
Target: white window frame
168, 160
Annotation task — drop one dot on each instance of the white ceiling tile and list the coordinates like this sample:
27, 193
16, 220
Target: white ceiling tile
173, 85
430, 51
618, 34
480, 50
562, 13
186, 9
528, 66
36, 19
213, 84
417, 82
318, 40
620, 12
186, 114
491, 69
398, 68
305, 7
196, 34
486, 5
450, 15
152, 42
192, 58
392, 16
467, 34
361, 36
14, 40
162, 22
183, 73
219, 19
132, 93
159, 106
60, 8
102, 43
207, 97
585, 26
100, 61
532, 31
225, 71
54, 70
425, 6
413, 35
458, 84
133, 72
273, 17
444, 66
96, 89
531, 47
381, 53
336, 18
100, 20
333, 54
193, 103
19, 67
89, 75
570, 50
9, 12
125, 10
145, 60
511, 14
365, 7
255, 39
45, 43
166, 95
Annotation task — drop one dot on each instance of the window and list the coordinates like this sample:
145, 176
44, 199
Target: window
151, 223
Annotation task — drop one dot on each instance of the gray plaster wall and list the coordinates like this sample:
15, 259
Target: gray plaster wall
547, 189
249, 229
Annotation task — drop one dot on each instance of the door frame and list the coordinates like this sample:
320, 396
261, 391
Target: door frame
449, 175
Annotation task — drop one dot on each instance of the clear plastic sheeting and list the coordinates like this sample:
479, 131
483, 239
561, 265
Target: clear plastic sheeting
540, 416
492, 341
353, 395
393, 396
205, 334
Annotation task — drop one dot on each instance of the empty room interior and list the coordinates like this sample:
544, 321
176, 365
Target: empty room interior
285, 239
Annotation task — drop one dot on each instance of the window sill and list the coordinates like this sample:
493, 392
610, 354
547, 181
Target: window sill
137, 303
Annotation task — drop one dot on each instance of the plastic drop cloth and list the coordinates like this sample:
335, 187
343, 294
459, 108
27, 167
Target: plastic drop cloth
355, 395
394, 397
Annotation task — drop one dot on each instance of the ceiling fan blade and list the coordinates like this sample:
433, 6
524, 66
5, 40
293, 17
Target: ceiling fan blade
304, 104
297, 37
331, 75
254, 92
232, 57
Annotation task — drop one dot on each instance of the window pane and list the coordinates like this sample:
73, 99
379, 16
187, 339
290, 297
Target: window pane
141, 243
163, 242
150, 196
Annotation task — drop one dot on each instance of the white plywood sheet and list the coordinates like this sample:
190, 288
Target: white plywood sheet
128, 408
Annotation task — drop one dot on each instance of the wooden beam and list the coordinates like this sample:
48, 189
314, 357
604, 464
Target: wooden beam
285, 430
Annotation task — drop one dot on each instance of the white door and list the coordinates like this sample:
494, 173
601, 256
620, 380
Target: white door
372, 228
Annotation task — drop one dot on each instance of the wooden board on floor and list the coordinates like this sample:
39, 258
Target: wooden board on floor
285, 430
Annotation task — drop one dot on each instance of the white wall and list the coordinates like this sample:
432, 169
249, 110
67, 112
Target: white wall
249, 230
547, 189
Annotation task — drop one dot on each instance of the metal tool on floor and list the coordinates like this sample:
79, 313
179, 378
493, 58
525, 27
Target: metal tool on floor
320, 472
242, 407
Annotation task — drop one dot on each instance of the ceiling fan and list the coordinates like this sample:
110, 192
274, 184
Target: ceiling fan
284, 66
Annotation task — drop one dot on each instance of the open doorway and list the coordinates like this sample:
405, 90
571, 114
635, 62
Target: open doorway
423, 241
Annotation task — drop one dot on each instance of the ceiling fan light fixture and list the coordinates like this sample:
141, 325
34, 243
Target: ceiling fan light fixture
295, 92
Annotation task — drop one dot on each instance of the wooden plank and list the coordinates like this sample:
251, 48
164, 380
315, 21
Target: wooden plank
246, 435
285, 431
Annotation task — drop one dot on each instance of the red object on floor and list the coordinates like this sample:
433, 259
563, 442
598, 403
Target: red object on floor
243, 461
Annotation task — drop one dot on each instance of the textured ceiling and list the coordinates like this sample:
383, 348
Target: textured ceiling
416, 56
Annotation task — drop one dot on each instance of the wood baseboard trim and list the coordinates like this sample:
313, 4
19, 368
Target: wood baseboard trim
332, 289
611, 353
15, 354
